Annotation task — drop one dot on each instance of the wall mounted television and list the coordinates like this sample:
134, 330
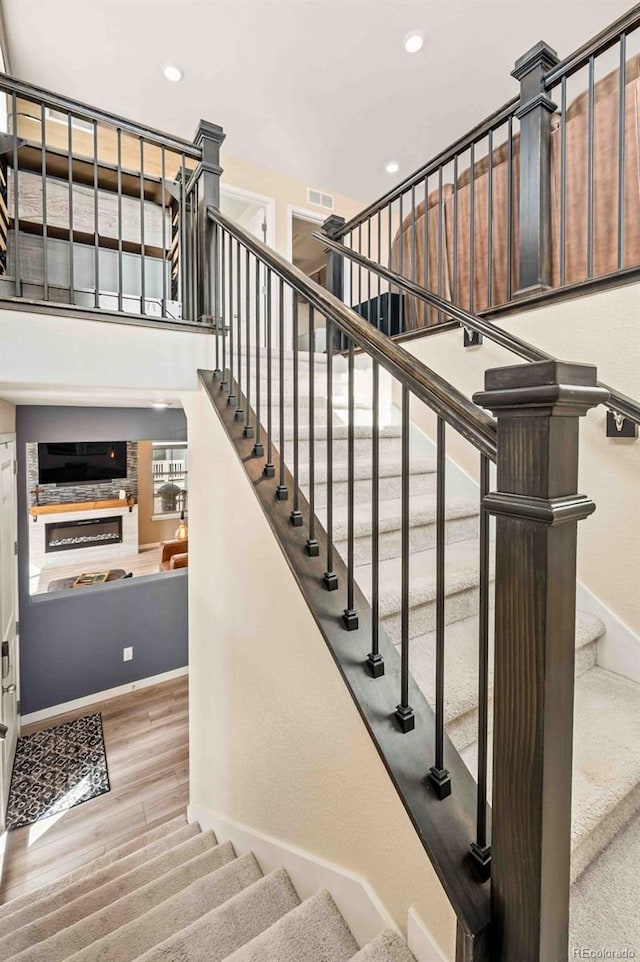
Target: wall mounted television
81, 462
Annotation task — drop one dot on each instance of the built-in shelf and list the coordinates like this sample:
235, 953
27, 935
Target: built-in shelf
39, 509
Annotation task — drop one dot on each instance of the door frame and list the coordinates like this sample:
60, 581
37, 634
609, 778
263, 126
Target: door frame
312, 217
256, 198
4, 439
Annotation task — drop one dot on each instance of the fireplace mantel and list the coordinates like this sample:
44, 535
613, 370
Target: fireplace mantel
74, 506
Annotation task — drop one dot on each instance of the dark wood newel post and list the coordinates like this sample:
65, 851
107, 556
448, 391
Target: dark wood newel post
209, 138
538, 407
534, 114
335, 263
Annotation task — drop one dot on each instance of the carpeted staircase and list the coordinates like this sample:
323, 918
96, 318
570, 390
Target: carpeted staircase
175, 895
606, 779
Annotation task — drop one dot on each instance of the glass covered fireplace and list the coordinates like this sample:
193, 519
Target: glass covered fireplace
87, 533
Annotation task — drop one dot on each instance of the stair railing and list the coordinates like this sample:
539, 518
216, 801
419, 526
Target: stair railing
619, 404
534, 442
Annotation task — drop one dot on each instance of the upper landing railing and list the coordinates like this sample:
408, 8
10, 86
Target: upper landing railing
542, 197
101, 212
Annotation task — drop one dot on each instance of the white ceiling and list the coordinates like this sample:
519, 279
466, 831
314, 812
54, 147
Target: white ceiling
319, 89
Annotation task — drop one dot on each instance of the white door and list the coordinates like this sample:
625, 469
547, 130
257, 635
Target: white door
8, 618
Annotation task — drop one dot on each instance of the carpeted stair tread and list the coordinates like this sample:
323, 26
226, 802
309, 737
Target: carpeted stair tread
37, 904
137, 844
605, 905
225, 929
606, 762
91, 899
461, 668
362, 468
423, 512
387, 947
313, 932
174, 915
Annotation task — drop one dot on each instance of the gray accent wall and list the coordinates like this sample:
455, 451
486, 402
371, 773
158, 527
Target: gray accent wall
71, 642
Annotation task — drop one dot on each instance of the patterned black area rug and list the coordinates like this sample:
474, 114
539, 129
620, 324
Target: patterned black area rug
56, 769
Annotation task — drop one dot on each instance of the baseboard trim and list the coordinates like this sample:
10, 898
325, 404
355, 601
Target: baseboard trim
97, 696
364, 912
420, 941
619, 647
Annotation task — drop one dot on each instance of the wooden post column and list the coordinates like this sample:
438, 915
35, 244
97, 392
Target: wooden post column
335, 265
209, 138
534, 114
538, 407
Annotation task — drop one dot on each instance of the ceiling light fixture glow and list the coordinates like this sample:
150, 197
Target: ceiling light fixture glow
413, 42
174, 74
392, 167
159, 405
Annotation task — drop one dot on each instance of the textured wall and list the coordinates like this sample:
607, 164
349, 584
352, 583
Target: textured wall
71, 643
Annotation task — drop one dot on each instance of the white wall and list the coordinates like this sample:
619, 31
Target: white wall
275, 740
600, 329
57, 356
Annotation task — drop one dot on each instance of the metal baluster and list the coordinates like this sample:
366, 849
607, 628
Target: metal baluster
380, 262
455, 230
590, 169
404, 711
217, 310
400, 236
269, 470
426, 243
239, 415
472, 233
438, 775
248, 428
510, 209
375, 661
143, 290
350, 616
312, 547
563, 180
193, 258
360, 270
440, 240
258, 447
281, 491
413, 251
70, 188
389, 261
369, 272
224, 384
296, 514
621, 146
490, 213
163, 172
231, 398
184, 260
330, 578
119, 179
480, 849
45, 253
96, 216
17, 271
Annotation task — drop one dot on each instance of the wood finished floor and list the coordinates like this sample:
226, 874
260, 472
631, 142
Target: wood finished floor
144, 562
146, 739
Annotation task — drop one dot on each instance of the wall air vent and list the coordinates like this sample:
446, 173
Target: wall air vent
319, 199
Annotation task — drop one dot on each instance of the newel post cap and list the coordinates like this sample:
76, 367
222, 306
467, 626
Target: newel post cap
542, 388
541, 55
208, 131
333, 225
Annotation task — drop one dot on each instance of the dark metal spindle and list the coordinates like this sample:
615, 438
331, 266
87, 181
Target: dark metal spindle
45, 253
510, 209
590, 168
281, 490
455, 230
217, 309
269, 470
379, 254
426, 243
96, 218
438, 775
311, 546
621, 146
143, 291
119, 179
369, 272
350, 615
184, 260
70, 188
563, 180
404, 711
224, 383
480, 849
248, 428
296, 515
239, 415
360, 269
490, 216
414, 250
163, 174
375, 661
231, 398
472, 233
330, 577
16, 200
440, 240
258, 447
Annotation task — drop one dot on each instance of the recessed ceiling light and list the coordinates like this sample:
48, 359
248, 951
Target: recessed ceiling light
413, 42
174, 74
392, 167
160, 405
